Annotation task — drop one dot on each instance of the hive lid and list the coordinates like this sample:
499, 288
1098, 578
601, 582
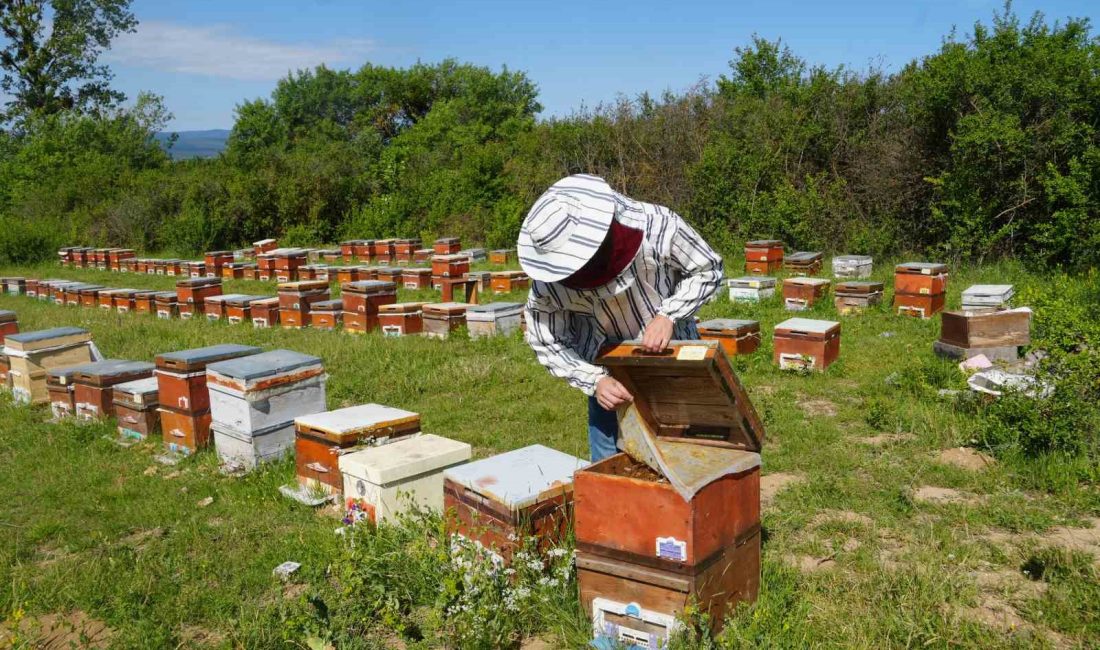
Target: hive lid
7, 315
726, 324
807, 325
764, 243
266, 301
687, 392
402, 459
122, 292
447, 240
213, 253
143, 293
265, 364
62, 375
48, 338
197, 282
361, 419
978, 292
199, 358
160, 295
401, 308
86, 287
389, 270
521, 477
454, 257
448, 308
112, 371
139, 387
263, 242
858, 287
368, 286
328, 305
243, 300
226, 297
508, 274
493, 310
853, 260
804, 256
921, 268
304, 285
752, 282
813, 282
417, 271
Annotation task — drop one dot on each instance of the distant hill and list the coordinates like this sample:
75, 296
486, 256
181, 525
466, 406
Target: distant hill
196, 144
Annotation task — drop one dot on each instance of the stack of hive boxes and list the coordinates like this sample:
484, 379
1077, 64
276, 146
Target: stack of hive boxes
449, 266
192, 293
238, 307
93, 391
501, 501
676, 519
32, 354
920, 288
404, 250
763, 256
136, 405
853, 296
59, 387
254, 401
213, 262
321, 438
185, 398
751, 288
287, 263
361, 302
296, 298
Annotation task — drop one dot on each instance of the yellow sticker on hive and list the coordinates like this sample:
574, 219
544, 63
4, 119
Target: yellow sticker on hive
692, 353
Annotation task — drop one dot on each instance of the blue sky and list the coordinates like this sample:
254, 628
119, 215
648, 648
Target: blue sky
206, 56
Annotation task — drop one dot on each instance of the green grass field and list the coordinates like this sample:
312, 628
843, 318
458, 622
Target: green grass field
859, 551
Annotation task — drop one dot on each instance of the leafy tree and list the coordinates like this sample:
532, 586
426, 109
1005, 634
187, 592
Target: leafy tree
49, 54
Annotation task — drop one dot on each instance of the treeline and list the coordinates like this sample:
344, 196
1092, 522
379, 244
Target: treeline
987, 147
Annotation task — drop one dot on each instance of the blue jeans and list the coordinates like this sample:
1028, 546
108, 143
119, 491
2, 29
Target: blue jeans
603, 431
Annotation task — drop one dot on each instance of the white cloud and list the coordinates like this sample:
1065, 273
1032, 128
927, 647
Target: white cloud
216, 51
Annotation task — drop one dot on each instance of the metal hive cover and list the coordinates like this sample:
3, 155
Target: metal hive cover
210, 354
521, 477
43, 335
727, 324
807, 325
264, 364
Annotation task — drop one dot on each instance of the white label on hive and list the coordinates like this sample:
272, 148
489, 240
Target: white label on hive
926, 271
692, 353
670, 548
924, 291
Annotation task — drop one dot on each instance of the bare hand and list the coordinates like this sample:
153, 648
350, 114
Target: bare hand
657, 334
610, 393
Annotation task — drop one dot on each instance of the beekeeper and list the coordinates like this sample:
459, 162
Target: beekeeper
605, 269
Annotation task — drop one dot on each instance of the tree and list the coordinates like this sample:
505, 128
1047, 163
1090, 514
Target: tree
49, 54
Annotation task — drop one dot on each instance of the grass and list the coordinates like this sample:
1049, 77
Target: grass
90, 527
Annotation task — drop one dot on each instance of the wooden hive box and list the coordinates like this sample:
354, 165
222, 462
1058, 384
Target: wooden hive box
128, 265
59, 387
919, 306
174, 267
920, 278
502, 500
136, 409
265, 312
502, 256
15, 286
388, 274
159, 267
166, 304
314, 272
363, 250
181, 375
751, 289
105, 299
144, 301
217, 307
321, 438
382, 482
89, 295
484, 280
65, 255
195, 269
447, 246
193, 292
986, 329
331, 255
763, 268
234, 270
241, 452
94, 385
764, 250
347, 273
362, 301
250, 271
508, 281
401, 319
698, 534
807, 262
987, 296
450, 266
326, 315
295, 299
423, 255
417, 278
9, 324
32, 354
495, 318
734, 335
287, 263
265, 267
855, 267
184, 432
475, 254
215, 260
802, 343
264, 246
803, 293
853, 296
265, 391
381, 251
238, 308
404, 250
440, 319
68, 293
32, 288
124, 300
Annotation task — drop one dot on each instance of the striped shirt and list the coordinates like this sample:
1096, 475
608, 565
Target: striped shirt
674, 273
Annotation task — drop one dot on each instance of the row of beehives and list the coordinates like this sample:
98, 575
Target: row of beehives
364, 306
697, 539
766, 256
288, 264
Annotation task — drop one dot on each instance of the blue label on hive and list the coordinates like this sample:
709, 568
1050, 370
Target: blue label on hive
670, 548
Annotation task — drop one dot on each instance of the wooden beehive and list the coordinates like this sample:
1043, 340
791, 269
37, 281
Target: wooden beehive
381, 251
1002, 328
751, 289
440, 319
404, 250
94, 385
853, 296
423, 255
265, 312
401, 319
450, 266
734, 335
165, 304
9, 324
364, 250
59, 388
361, 302
417, 278
321, 438
802, 343
136, 409
382, 482
144, 301
919, 306
447, 246
987, 296
920, 278
764, 250
265, 391
238, 307
803, 262
852, 266
326, 315
89, 295
508, 281
264, 246
502, 256
802, 293
195, 291
502, 500
181, 375
32, 354
495, 318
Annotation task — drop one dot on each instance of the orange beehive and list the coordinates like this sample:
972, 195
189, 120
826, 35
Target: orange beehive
401, 319
508, 281
381, 251
447, 246
735, 336
326, 315
417, 278
502, 256
265, 312
803, 292
805, 344
450, 266
361, 303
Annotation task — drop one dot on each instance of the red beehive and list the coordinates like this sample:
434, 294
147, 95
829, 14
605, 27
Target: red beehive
215, 260
348, 273
89, 295
440, 319
287, 263
447, 246
93, 385
181, 376
265, 266
184, 433
144, 302
381, 251
450, 266
401, 319
238, 308
404, 250
920, 278
361, 303
802, 343
265, 313
364, 250
8, 324
326, 315
417, 278
423, 255
191, 293
166, 304
195, 269
802, 292
735, 336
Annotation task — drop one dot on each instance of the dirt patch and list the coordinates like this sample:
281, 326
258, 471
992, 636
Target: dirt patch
995, 613
809, 563
818, 407
58, 632
192, 636
537, 644
772, 484
884, 439
139, 539
332, 511
294, 590
49, 555
841, 516
1083, 540
965, 458
940, 495
762, 389
1005, 581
